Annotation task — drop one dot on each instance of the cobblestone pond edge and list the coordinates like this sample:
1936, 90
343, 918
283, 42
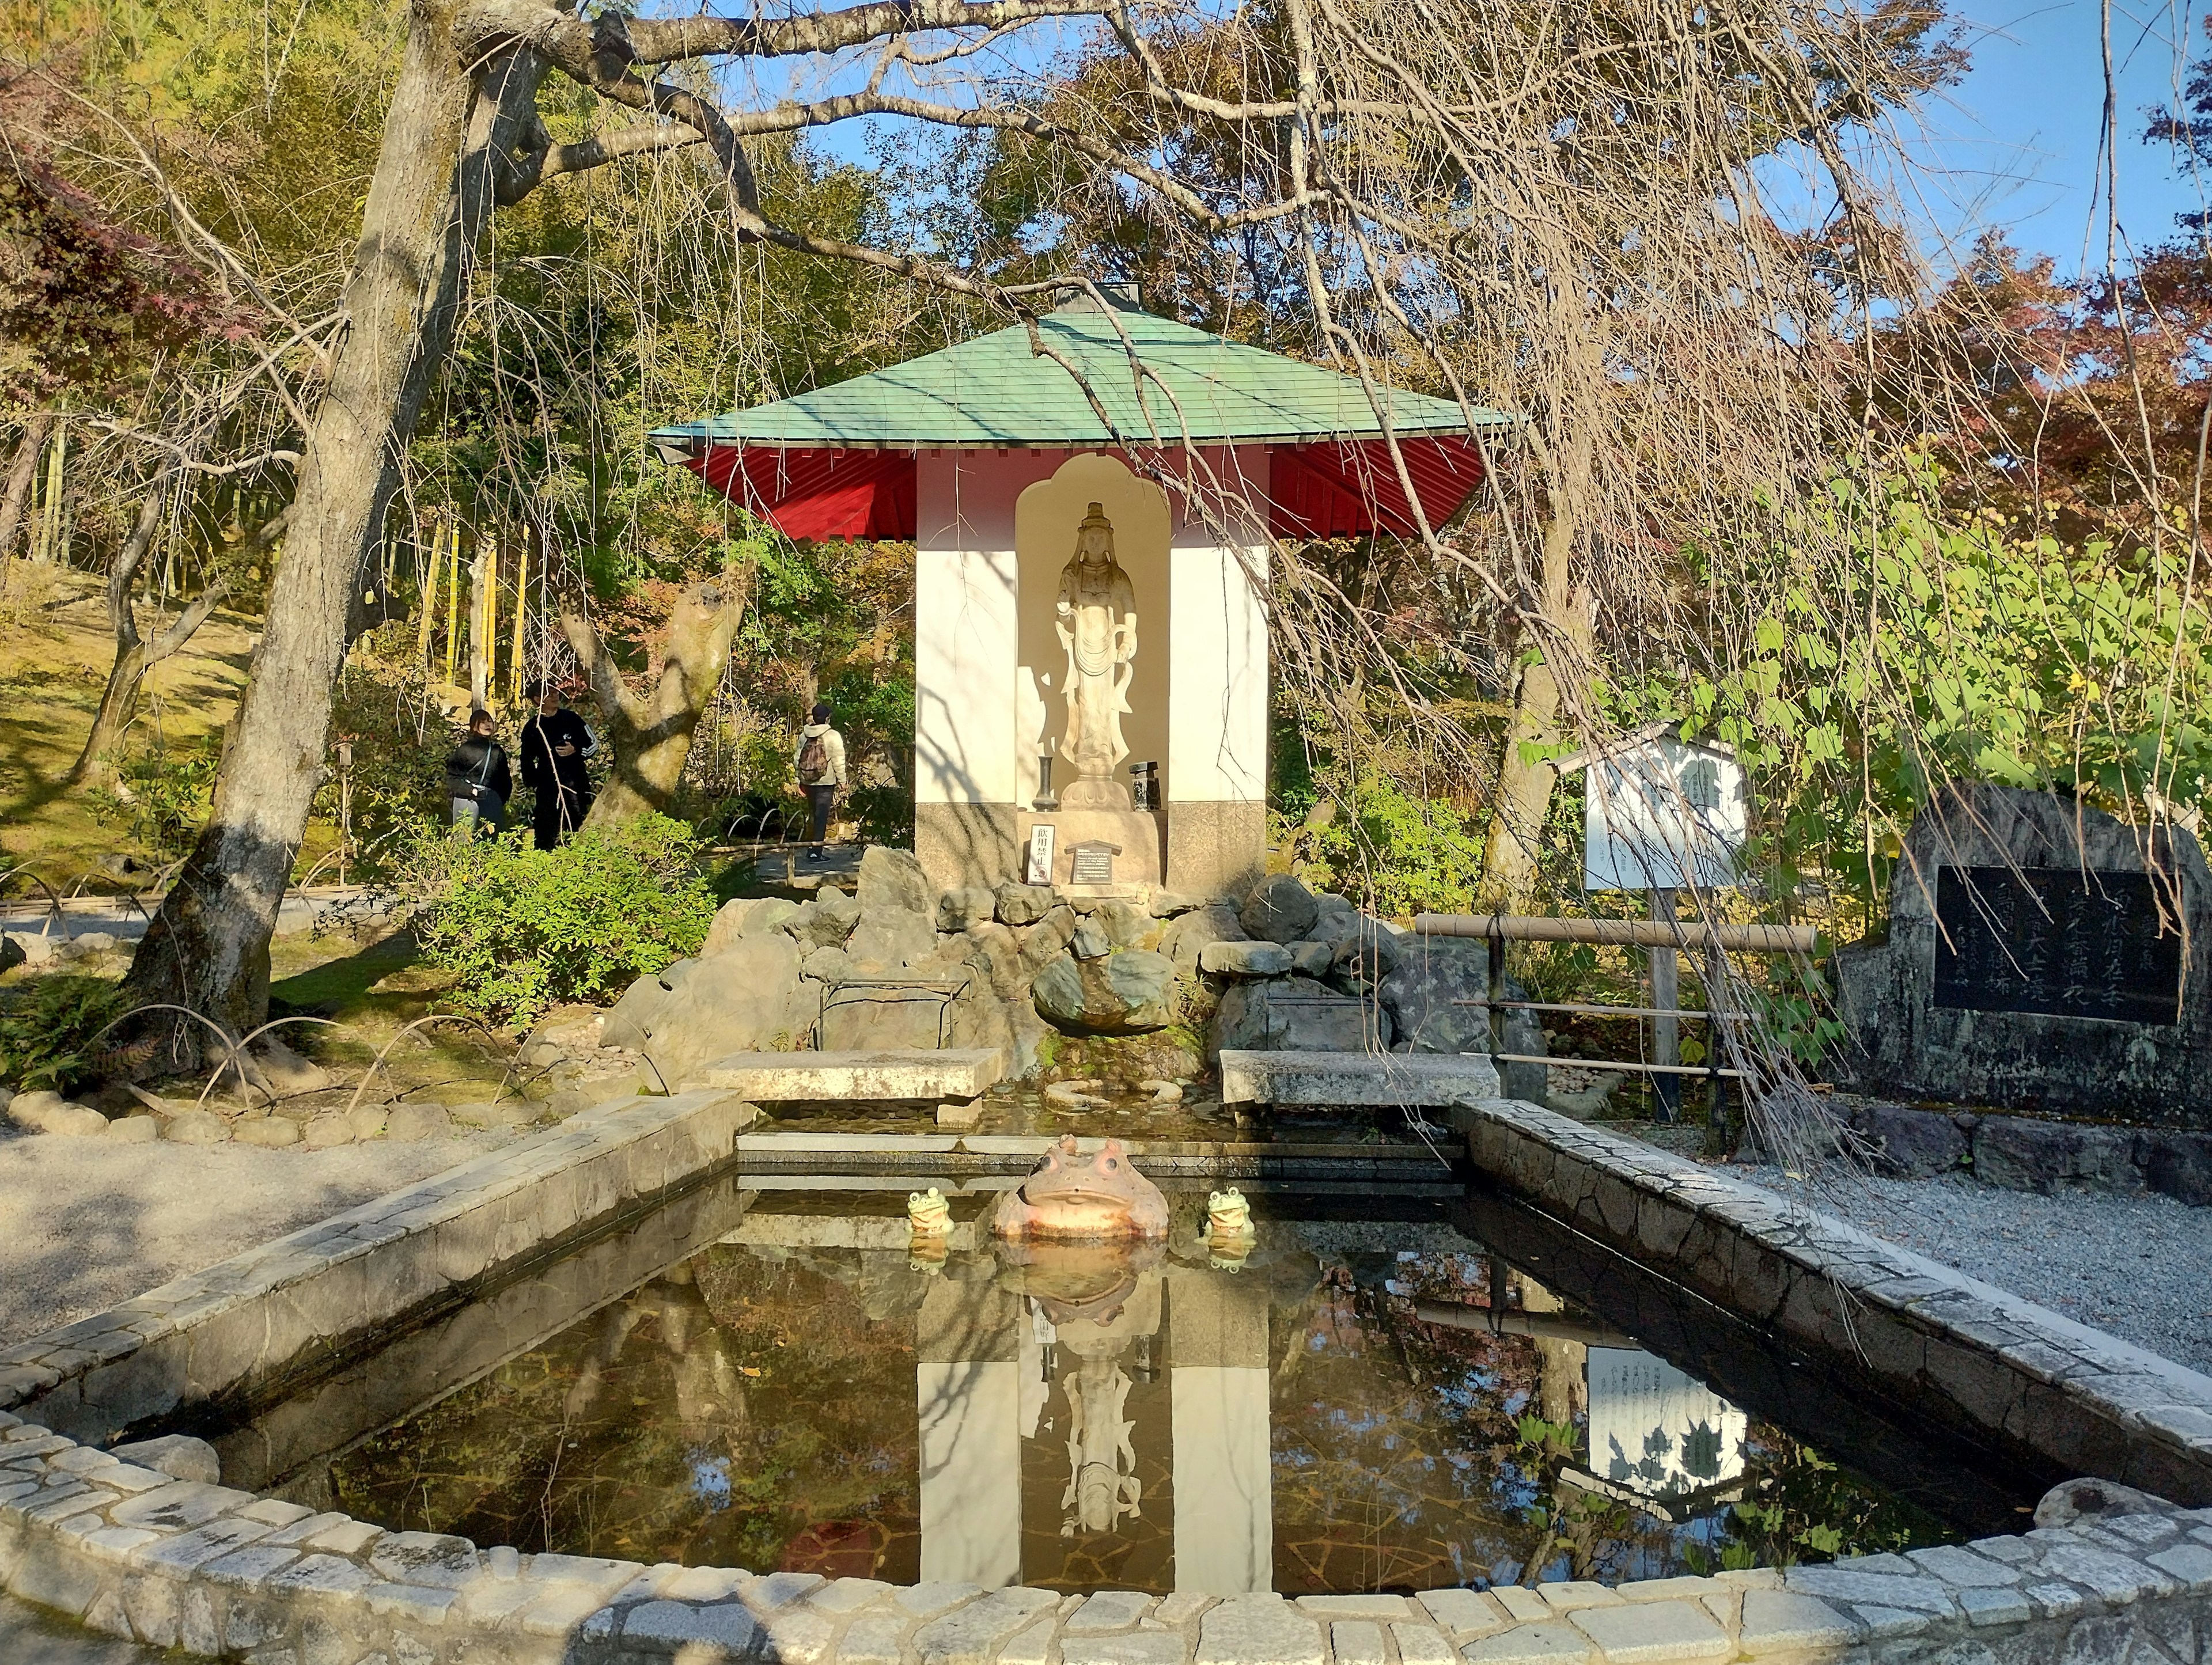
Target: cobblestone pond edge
137, 1553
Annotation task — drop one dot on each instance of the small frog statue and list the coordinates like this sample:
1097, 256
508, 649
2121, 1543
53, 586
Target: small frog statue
1228, 1215
928, 1213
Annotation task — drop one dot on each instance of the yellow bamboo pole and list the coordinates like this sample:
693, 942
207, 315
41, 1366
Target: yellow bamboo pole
521, 610
453, 604
484, 616
429, 593
50, 522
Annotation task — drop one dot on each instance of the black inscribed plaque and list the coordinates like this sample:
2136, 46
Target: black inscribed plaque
2055, 940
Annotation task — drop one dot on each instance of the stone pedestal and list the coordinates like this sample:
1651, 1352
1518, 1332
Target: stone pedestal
1141, 835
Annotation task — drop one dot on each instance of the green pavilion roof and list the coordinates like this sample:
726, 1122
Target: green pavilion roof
994, 391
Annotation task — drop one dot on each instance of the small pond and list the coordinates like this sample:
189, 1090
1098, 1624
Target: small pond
770, 1379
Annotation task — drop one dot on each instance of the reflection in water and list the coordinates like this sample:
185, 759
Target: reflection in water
1076, 1417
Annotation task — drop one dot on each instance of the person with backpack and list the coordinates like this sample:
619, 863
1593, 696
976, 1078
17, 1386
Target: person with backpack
820, 764
478, 783
554, 743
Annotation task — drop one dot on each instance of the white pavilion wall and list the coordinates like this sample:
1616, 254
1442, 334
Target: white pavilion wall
986, 572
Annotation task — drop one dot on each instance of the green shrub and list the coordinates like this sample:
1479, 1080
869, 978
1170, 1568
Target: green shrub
527, 929
47, 1029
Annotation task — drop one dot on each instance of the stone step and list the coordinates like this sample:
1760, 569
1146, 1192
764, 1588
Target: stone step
1402, 1080
772, 1077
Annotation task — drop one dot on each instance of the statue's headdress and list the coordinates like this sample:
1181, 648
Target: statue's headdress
1095, 518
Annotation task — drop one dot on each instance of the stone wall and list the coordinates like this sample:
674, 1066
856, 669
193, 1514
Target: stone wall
2030, 1153
2004, 1374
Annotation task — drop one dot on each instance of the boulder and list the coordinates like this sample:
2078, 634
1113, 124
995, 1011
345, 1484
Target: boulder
1333, 917
1312, 959
2021, 1153
408, 1123
1090, 942
1434, 973
1123, 993
969, 905
135, 1129
1296, 1014
177, 1455
629, 1020
1126, 924
889, 938
271, 1132
991, 950
1166, 904
1279, 909
46, 1112
980, 1018
886, 1019
824, 922
745, 999
1911, 1143
1024, 904
367, 1120
827, 965
12, 953
1364, 956
285, 1071
196, 1128
1244, 959
1045, 941
747, 916
893, 879
1188, 937
326, 1132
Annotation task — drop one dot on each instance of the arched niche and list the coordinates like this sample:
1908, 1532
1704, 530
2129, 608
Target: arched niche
1046, 517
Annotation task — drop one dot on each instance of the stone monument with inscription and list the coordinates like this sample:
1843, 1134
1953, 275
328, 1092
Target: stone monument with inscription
2042, 956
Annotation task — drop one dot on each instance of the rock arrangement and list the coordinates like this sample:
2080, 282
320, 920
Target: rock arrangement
1066, 984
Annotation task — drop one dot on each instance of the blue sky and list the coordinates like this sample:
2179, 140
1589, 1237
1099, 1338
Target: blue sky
2016, 144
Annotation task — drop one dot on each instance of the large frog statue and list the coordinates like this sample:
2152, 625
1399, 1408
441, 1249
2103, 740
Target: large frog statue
1067, 1196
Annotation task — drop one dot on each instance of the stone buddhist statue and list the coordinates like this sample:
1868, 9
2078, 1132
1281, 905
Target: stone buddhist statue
1095, 615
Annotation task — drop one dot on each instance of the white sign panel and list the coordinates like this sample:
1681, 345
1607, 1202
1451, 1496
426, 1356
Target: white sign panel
1658, 815
1042, 837
1656, 1431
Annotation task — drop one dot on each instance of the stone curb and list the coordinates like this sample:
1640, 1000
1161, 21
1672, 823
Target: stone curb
244, 1323
2001, 1370
134, 1554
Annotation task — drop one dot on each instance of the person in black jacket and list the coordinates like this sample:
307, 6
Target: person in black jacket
554, 743
478, 784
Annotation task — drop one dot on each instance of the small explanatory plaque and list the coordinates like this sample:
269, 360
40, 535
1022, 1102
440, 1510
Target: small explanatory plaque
1092, 862
2059, 941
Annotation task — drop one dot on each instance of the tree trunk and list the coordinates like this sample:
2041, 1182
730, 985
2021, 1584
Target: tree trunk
431, 192
651, 735
22, 472
1524, 786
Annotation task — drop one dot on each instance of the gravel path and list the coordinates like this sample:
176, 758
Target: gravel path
85, 1224
2139, 1266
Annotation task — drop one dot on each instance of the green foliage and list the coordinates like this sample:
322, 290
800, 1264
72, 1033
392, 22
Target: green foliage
526, 928
1943, 650
395, 786
47, 1030
163, 794
885, 814
1400, 853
